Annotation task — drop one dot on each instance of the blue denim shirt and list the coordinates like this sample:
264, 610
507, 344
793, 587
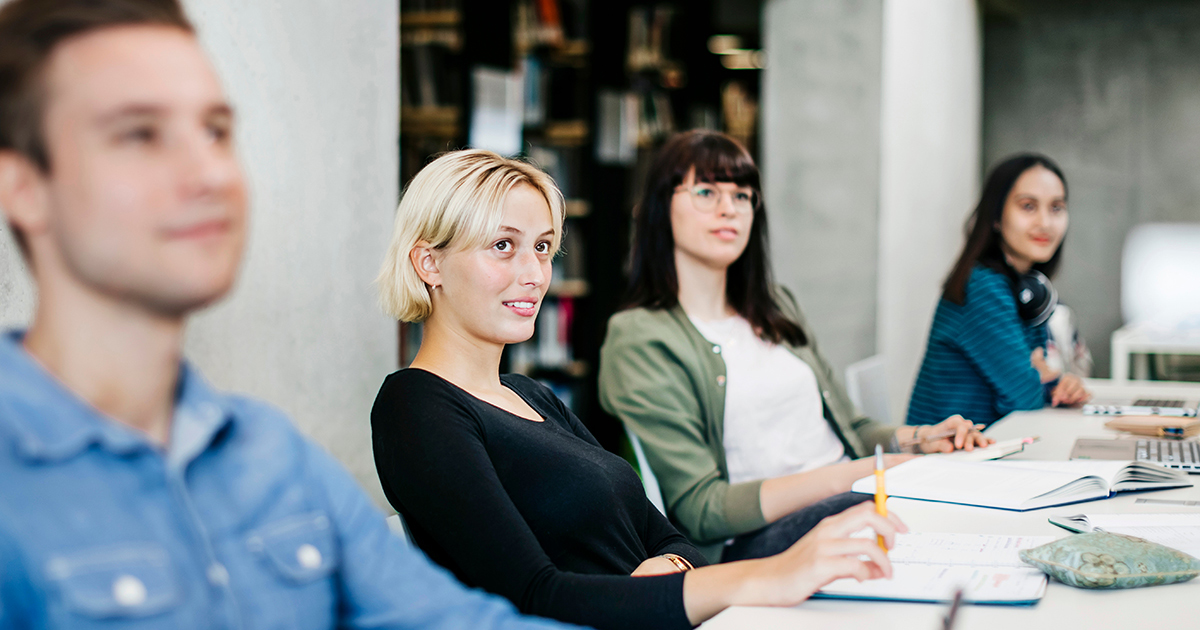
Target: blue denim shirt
240, 523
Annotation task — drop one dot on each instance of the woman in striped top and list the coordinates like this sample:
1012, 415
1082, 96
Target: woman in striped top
983, 359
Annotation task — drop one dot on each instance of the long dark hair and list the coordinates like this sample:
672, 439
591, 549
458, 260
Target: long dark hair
653, 282
983, 238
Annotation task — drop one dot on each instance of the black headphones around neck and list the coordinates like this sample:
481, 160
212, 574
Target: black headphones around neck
1036, 297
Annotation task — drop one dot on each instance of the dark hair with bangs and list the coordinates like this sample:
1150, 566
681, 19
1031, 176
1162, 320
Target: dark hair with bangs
653, 282
983, 237
30, 30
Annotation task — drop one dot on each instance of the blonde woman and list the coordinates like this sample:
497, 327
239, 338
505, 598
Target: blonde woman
497, 480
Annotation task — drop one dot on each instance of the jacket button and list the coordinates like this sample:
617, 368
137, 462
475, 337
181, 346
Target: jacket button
825, 394
721, 380
716, 349
129, 591
308, 556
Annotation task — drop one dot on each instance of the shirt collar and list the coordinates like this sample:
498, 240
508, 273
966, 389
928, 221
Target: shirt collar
52, 424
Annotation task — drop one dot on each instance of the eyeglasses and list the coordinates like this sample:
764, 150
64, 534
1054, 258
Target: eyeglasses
706, 198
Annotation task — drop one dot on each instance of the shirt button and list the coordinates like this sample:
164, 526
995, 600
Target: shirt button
218, 575
825, 394
308, 556
716, 349
129, 591
721, 380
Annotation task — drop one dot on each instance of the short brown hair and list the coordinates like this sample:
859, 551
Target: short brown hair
30, 30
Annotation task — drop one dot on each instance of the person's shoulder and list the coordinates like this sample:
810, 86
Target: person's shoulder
987, 285
636, 326
415, 384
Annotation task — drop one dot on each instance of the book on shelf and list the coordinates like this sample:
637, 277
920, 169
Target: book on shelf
1019, 484
550, 347
498, 110
617, 127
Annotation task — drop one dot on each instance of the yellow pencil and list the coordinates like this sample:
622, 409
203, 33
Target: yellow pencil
880, 492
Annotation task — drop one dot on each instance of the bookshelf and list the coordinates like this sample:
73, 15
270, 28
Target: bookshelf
601, 85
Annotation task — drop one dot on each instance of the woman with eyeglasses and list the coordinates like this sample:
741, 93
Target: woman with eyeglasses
713, 367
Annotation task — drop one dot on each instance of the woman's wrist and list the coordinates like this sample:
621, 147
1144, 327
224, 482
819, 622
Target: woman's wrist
679, 561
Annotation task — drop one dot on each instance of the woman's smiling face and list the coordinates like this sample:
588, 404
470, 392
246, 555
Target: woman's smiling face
492, 294
1034, 220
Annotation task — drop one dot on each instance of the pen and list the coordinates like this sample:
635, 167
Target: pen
880, 492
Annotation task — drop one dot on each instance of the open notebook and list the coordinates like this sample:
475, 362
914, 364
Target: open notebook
1177, 531
1019, 484
930, 567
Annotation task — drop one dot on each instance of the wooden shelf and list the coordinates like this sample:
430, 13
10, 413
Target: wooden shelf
565, 133
424, 19
575, 287
578, 208
439, 122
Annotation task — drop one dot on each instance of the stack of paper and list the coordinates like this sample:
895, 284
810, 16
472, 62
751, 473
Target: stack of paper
931, 567
1177, 531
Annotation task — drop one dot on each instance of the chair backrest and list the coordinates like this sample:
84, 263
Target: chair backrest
649, 481
1160, 273
396, 524
866, 384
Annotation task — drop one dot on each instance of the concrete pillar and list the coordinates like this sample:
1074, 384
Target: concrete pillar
929, 170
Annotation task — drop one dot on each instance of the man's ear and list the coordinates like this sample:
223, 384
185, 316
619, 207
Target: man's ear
22, 193
425, 263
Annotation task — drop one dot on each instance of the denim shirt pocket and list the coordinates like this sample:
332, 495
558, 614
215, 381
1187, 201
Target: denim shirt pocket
122, 581
300, 549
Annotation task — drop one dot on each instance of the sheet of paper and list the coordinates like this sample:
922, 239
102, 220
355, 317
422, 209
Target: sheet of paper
937, 583
970, 483
1104, 469
1177, 531
995, 451
963, 549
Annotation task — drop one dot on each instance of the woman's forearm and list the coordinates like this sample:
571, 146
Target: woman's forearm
783, 495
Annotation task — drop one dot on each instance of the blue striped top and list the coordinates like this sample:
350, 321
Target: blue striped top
977, 360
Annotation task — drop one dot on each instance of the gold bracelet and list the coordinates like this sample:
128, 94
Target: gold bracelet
679, 561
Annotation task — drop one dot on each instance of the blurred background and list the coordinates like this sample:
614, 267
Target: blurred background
873, 121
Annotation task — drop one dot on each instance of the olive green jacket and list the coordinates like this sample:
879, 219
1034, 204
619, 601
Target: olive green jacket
666, 382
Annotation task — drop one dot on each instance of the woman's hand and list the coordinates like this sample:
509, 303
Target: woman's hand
963, 434
1037, 359
825, 554
657, 565
1069, 392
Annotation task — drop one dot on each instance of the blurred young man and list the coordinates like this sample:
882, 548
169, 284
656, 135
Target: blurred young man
131, 491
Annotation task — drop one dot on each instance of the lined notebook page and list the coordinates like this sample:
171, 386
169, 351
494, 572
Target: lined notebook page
930, 567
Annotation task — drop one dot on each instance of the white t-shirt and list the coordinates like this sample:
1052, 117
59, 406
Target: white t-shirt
774, 422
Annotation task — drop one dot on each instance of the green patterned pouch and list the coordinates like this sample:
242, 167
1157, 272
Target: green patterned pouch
1104, 560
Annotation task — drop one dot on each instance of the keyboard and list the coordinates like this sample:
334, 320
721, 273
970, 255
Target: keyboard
1178, 454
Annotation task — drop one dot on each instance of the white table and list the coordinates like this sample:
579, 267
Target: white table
1063, 607
1138, 342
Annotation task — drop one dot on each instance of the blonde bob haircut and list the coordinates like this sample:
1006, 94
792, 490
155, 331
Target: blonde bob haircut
456, 202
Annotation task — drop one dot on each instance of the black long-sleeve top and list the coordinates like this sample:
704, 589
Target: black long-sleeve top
537, 512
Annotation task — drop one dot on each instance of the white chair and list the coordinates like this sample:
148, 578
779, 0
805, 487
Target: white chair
649, 481
396, 524
866, 384
1160, 297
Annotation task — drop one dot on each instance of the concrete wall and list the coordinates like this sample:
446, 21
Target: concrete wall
314, 83
929, 171
1111, 90
820, 153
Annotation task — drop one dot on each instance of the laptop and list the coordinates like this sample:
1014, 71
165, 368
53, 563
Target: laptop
1173, 407
1181, 455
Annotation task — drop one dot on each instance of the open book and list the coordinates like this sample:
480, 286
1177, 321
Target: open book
1177, 531
1020, 484
930, 567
